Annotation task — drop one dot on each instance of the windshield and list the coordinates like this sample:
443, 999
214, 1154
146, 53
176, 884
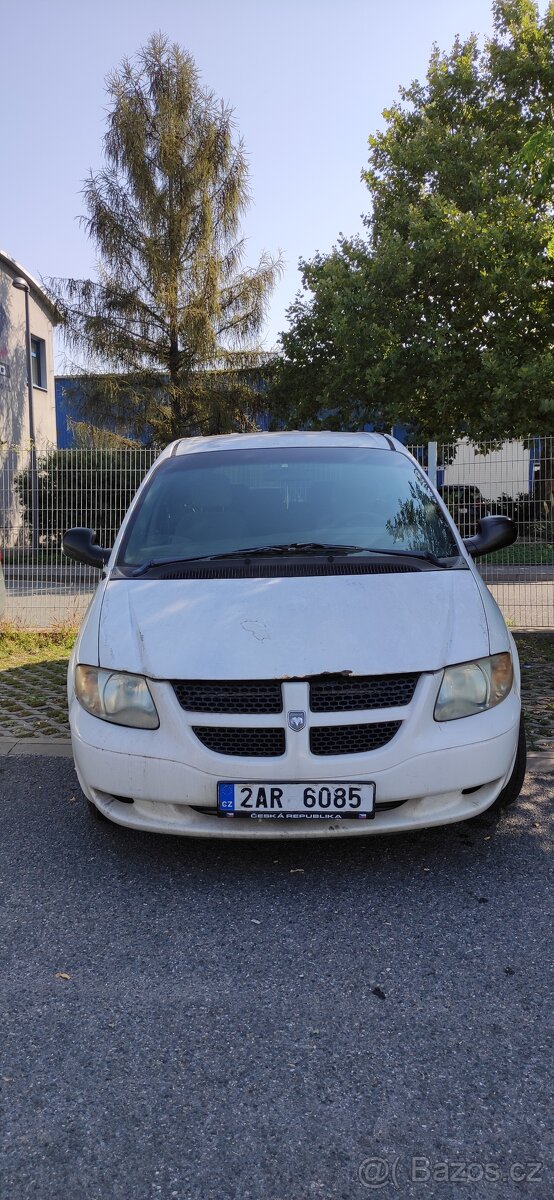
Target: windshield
219, 502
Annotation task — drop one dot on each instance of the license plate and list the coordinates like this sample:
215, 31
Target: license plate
292, 801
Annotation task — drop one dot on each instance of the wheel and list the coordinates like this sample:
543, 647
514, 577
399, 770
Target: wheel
514, 785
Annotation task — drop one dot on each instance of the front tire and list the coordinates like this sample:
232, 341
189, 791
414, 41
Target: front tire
512, 788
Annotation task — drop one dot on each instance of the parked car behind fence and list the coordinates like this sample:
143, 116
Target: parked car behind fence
467, 506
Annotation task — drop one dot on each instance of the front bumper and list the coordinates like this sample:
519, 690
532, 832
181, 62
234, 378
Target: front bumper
171, 777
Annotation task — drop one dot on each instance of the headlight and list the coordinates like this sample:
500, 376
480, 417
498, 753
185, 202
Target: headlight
473, 687
117, 697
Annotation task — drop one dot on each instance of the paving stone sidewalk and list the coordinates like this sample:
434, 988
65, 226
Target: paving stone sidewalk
33, 701
536, 656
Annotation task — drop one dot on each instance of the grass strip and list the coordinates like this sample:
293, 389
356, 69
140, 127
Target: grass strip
21, 647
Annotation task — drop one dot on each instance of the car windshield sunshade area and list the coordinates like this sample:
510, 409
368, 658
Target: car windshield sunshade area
223, 502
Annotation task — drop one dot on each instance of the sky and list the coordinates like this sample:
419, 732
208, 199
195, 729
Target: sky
307, 79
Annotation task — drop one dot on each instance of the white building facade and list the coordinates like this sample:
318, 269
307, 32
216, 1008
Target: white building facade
14, 392
15, 401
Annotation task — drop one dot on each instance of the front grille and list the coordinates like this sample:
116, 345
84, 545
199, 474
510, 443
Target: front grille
246, 743
351, 739
236, 696
328, 693
342, 693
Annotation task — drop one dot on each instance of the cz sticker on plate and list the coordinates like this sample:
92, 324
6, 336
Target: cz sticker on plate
292, 801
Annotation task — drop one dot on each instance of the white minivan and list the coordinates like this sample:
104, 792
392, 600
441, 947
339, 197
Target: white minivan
290, 639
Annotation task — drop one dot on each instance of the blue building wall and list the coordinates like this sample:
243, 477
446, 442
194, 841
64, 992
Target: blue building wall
69, 407
65, 437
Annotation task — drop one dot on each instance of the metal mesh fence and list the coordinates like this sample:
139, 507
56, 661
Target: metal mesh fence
94, 488
71, 487
516, 480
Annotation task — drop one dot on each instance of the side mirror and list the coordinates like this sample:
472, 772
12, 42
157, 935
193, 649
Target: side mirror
493, 534
81, 545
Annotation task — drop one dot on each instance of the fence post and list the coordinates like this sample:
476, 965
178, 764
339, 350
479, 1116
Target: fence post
432, 462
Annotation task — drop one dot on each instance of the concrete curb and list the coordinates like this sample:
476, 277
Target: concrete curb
48, 747
539, 762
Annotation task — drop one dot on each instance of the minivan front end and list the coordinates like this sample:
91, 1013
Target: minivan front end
291, 641
423, 771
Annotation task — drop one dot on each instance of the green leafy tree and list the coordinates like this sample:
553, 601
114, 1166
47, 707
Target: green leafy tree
442, 317
171, 319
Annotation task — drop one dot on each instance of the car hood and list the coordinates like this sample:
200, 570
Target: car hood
274, 628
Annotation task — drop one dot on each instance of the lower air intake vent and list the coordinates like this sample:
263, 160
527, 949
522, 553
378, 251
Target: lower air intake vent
245, 743
351, 739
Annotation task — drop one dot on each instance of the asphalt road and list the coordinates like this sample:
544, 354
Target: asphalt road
272, 1022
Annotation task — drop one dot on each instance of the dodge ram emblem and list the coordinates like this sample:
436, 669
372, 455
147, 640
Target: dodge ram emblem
297, 721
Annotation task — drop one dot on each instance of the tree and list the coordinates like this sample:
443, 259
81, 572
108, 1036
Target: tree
171, 318
443, 314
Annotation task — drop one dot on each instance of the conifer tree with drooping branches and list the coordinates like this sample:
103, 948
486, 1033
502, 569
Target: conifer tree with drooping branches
171, 321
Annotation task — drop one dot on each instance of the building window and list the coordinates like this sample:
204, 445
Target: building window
38, 362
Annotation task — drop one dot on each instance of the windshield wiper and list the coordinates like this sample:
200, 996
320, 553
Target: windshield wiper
427, 555
290, 548
328, 548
